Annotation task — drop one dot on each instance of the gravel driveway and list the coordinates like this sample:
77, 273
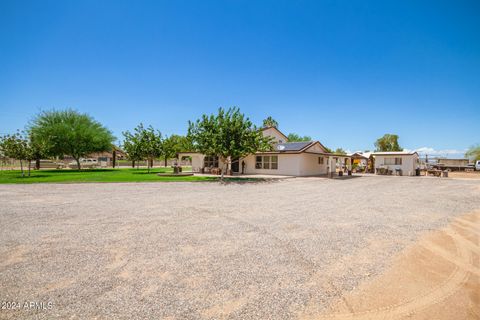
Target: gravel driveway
206, 250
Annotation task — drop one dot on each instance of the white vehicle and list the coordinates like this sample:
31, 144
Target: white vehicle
84, 163
477, 165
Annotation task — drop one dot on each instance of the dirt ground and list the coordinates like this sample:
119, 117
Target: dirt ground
372, 247
463, 174
436, 278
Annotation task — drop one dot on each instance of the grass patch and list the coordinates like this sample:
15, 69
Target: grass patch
94, 175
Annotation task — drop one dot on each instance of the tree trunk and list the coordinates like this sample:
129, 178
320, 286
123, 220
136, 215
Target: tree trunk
78, 163
37, 164
29, 165
228, 171
149, 162
21, 168
166, 161
133, 164
114, 158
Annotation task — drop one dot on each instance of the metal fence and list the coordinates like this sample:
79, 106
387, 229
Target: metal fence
13, 164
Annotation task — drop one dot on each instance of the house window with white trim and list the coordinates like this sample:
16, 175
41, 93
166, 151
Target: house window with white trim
321, 160
392, 161
266, 162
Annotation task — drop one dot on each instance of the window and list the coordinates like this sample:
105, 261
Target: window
320, 160
210, 161
274, 162
392, 161
266, 162
258, 162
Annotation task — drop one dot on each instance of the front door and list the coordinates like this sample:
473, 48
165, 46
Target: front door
236, 165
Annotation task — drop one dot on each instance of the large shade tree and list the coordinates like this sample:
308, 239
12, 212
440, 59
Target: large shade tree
228, 134
389, 142
68, 132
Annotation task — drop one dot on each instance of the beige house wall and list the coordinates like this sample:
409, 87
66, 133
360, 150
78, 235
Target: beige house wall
408, 166
297, 164
275, 134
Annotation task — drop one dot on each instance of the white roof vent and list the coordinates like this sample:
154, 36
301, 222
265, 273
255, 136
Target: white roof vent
280, 147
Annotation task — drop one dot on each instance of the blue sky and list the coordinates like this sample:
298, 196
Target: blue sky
343, 72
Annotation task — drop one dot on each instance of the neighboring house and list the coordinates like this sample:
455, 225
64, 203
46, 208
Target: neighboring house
288, 158
360, 158
395, 161
105, 158
108, 156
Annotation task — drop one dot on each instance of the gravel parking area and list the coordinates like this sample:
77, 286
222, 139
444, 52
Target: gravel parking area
209, 250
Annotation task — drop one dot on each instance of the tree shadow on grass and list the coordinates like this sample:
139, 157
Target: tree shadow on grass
56, 171
26, 178
246, 180
152, 172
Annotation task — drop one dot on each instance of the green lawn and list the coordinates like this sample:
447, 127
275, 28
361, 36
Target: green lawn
94, 175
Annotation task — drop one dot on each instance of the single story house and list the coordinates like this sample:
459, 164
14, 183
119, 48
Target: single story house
308, 158
360, 158
401, 162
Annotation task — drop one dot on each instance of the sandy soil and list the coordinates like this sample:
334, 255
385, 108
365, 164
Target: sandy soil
436, 278
463, 174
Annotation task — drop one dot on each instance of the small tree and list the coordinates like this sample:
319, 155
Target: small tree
132, 145
270, 122
15, 146
175, 144
71, 133
340, 151
473, 152
151, 145
293, 137
143, 144
228, 135
389, 142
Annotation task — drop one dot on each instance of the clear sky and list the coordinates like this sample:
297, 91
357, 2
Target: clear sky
343, 72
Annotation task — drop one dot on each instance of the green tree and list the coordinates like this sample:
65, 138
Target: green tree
132, 146
151, 145
175, 144
389, 142
340, 151
143, 144
18, 146
37, 149
68, 132
293, 137
270, 122
473, 152
228, 135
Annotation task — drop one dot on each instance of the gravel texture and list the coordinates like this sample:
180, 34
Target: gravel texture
209, 250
